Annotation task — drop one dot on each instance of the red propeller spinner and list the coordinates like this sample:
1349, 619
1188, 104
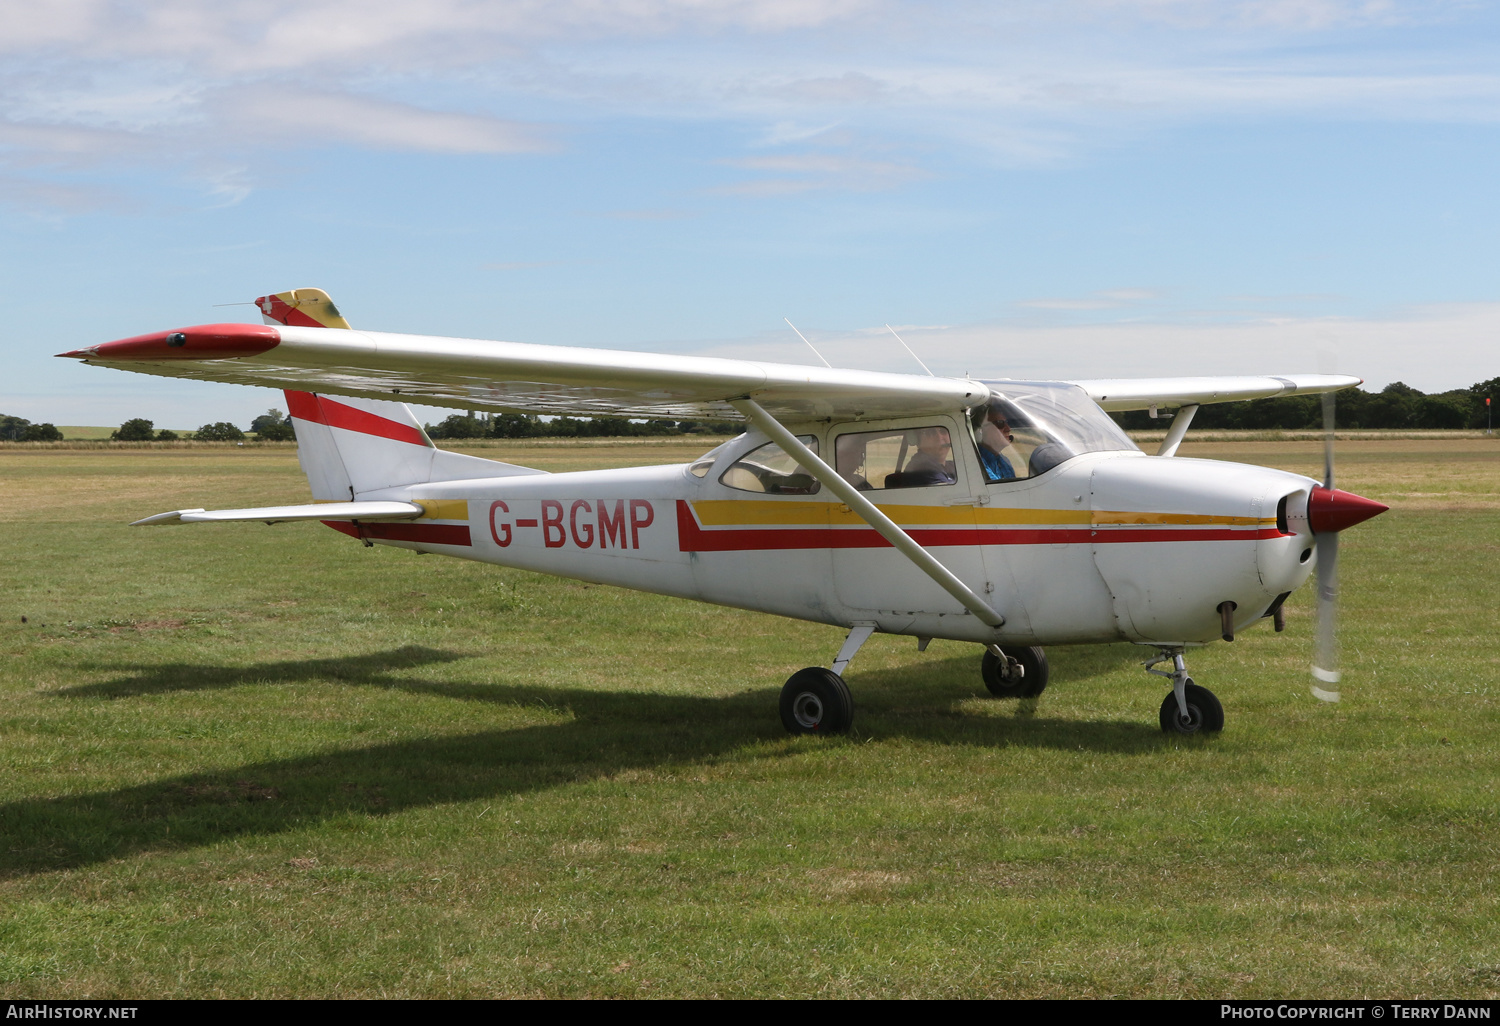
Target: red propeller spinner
1331, 510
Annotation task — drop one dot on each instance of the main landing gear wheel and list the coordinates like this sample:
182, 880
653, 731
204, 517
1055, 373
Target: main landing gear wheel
1033, 660
816, 701
1205, 714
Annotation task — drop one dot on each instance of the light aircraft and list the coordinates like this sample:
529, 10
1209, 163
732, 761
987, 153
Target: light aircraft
1012, 514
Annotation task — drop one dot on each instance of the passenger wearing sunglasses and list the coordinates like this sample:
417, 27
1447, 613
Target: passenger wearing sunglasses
994, 436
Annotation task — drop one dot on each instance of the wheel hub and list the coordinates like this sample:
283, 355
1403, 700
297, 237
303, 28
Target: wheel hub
1190, 723
808, 710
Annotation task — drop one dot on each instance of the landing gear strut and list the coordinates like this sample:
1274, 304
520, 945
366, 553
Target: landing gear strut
1189, 709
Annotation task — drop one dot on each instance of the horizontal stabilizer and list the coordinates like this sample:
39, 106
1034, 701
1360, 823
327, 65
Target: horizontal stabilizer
278, 514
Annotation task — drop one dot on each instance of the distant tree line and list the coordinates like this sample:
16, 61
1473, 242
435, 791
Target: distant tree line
275, 426
1396, 406
19, 429
517, 425
271, 426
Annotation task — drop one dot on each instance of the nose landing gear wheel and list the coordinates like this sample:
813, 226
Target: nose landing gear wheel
1205, 714
1032, 659
816, 701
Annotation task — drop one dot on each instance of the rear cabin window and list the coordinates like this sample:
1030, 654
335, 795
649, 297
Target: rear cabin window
770, 470
905, 458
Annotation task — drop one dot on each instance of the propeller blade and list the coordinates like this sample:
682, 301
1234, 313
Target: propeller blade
1325, 653
1328, 440
1325, 668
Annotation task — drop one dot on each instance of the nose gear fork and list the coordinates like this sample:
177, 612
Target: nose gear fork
1179, 675
1189, 709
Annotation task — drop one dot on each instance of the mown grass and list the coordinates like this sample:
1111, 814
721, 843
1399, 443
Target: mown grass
243, 760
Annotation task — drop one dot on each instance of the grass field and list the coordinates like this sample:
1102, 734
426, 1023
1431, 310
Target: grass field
254, 761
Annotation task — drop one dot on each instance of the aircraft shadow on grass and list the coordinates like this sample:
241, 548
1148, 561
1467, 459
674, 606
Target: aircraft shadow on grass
608, 732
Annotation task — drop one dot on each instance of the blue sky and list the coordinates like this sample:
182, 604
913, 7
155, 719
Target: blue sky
1065, 189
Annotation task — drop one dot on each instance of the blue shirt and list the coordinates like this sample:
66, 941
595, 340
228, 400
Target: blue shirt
996, 466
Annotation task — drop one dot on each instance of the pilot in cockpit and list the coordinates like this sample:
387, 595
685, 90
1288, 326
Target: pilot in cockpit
994, 437
931, 463
849, 453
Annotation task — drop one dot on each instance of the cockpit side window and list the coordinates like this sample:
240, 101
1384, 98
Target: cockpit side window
1012, 446
771, 470
1027, 428
899, 458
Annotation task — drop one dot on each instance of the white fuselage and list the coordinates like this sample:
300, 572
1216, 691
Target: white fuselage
1107, 546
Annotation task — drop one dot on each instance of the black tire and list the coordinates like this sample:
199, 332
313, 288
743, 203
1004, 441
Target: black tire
1032, 659
816, 701
1205, 714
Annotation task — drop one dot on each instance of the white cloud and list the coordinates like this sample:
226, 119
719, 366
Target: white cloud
800, 172
243, 35
50, 198
1025, 82
1287, 15
1109, 299
306, 118
1431, 348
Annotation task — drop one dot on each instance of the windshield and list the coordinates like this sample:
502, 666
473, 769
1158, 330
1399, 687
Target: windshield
1029, 427
700, 466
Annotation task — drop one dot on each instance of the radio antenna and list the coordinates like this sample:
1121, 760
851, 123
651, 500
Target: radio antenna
803, 337
914, 356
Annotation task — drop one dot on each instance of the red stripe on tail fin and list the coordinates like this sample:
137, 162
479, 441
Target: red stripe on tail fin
304, 406
322, 410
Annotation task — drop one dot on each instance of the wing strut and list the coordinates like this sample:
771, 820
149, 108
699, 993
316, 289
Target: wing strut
1177, 431
866, 510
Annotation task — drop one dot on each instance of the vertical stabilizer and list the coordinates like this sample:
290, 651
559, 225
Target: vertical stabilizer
308, 308
350, 447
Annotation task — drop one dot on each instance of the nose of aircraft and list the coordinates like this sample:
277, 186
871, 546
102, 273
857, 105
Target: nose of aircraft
1330, 510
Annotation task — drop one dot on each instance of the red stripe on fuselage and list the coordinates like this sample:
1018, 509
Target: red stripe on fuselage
322, 410
431, 534
693, 538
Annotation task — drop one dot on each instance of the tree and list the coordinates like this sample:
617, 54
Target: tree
515, 425
136, 430
42, 433
166, 436
223, 431
273, 426
459, 425
1448, 410
13, 429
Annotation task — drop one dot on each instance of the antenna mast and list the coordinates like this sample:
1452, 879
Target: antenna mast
814, 348
914, 356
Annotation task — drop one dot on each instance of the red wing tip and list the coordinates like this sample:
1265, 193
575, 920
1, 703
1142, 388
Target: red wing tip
200, 342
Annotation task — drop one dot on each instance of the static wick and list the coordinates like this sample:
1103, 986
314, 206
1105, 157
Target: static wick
814, 348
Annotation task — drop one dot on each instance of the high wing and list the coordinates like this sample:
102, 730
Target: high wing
474, 374
1120, 394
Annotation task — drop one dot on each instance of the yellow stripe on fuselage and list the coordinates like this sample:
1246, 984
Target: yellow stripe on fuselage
437, 509
443, 509
778, 513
